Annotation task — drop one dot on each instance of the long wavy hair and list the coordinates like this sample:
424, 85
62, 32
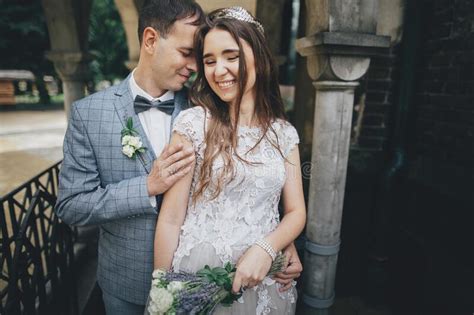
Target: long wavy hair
221, 135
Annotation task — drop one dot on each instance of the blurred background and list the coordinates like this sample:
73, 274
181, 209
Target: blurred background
32, 118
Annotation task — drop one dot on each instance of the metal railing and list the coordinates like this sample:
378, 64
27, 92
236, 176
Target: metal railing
37, 255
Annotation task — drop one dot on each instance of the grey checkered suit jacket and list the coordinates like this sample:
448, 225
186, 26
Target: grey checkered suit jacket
99, 185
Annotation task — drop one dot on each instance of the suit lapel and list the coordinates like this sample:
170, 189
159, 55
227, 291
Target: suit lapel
124, 106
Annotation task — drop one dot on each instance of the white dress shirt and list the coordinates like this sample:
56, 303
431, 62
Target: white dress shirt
155, 123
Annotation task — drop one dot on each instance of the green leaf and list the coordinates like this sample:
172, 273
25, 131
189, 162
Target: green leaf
228, 267
227, 286
207, 274
130, 123
219, 271
204, 271
230, 298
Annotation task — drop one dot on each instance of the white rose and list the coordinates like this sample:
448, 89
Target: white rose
155, 294
158, 273
175, 286
135, 142
153, 309
128, 150
126, 140
162, 299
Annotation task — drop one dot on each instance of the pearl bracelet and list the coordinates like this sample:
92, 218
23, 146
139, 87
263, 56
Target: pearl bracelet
267, 247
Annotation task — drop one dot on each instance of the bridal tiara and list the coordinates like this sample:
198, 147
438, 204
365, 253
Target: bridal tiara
237, 13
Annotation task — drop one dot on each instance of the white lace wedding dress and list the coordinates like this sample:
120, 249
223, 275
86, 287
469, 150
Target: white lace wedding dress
246, 210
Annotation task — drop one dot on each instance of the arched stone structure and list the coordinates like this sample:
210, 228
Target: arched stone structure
68, 25
128, 10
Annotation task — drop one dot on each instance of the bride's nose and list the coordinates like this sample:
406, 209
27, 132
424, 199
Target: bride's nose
220, 69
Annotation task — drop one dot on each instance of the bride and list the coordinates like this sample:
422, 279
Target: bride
246, 158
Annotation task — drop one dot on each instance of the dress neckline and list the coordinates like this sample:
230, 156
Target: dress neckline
250, 128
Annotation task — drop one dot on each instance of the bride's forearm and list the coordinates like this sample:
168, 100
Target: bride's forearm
166, 242
172, 214
287, 231
294, 218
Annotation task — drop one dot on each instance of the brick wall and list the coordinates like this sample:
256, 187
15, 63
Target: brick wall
444, 123
438, 188
374, 102
430, 259
431, 224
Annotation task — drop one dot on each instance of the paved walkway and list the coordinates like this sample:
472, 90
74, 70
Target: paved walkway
30, 141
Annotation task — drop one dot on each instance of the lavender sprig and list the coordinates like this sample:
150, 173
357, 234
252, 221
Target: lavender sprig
200, 293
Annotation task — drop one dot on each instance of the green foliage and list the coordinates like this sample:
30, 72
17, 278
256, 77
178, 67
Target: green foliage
222, 277
24, 40
129, 130
24, 36
107, 42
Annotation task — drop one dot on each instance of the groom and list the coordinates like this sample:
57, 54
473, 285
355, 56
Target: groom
101, 185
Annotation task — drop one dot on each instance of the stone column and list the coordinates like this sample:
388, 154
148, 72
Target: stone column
73, 70
68, 26
341, 38
128, 11
330, 151
304, 101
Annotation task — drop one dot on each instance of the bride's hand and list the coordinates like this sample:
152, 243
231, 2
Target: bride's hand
252, 267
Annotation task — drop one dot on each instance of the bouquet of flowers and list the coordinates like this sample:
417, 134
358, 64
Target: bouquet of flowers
185, 293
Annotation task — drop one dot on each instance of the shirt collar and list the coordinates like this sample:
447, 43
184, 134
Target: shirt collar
136, 90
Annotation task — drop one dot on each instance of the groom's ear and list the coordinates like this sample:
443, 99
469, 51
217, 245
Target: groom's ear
150, 38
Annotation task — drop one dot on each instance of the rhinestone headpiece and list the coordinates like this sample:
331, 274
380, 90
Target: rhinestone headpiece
237, 13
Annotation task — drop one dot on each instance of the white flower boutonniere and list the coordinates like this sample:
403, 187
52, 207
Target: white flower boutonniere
131, 142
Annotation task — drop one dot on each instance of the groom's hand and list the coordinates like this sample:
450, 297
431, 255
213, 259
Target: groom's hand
293, 269
174, 163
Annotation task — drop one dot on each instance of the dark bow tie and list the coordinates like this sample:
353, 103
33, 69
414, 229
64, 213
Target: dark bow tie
142, 104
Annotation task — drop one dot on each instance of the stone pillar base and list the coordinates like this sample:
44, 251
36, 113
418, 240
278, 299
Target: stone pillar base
331, 137
72, 67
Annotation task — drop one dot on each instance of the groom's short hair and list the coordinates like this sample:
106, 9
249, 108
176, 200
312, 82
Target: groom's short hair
161, 15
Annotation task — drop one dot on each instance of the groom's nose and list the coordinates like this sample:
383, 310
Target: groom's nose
192, 64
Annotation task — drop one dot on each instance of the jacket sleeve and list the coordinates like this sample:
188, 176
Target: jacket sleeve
82, 199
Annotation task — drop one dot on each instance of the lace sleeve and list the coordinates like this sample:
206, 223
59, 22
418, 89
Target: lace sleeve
290, 138
190, 124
